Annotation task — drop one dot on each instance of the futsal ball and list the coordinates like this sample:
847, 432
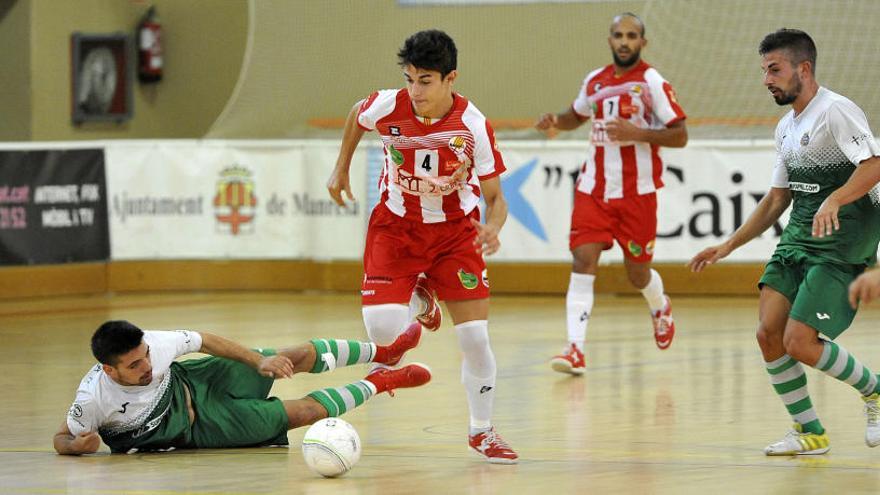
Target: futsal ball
331, 447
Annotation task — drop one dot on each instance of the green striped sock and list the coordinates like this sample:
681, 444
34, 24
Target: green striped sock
340, 400
332, 354
836, 362
790, 382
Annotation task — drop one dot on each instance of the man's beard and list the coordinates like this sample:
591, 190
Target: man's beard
633, 59
787, 97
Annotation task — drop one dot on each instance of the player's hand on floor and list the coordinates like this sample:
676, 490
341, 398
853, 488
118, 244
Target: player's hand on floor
487, 238
86, 442
865, 289
276, 366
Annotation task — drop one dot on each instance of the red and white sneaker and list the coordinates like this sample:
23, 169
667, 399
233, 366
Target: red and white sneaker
664, 326
392, 354
571, 361
432, 317
387, 379
490, 445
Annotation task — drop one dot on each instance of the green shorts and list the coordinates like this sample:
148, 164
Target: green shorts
232, 406
816, 288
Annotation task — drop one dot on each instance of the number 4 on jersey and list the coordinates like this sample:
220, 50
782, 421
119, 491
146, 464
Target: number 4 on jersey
426, 161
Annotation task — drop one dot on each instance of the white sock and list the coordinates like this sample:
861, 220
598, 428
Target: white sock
578, 307
477, 372
653, 292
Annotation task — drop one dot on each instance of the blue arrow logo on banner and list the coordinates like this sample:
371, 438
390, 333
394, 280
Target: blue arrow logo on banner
517, 204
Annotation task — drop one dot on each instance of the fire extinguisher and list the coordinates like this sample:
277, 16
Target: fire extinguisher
149, 40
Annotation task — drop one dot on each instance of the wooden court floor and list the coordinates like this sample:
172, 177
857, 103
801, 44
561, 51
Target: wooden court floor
692, 419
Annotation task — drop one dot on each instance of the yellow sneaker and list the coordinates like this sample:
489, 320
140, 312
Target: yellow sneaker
796, 442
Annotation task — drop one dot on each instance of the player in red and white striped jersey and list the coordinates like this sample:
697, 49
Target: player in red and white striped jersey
634, 112
440, 160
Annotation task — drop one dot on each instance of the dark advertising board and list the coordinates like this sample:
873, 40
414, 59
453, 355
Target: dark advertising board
53, 207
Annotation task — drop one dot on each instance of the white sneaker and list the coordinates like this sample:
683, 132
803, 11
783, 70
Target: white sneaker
872, 411
796, 442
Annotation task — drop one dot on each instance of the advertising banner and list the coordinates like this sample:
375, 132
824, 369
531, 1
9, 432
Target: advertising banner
711, 188
221, 199
52, 206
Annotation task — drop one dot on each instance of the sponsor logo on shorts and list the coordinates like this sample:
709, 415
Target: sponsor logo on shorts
468, 280
377, 280
823, 316
649, 247
394, 130
368, 293
585, 316
803, 187
486, 277
634, 249
485, 388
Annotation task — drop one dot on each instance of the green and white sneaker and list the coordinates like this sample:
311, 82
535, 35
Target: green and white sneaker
872, 412
796, 442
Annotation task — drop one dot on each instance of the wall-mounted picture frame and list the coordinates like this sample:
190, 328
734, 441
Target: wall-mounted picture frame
101, 77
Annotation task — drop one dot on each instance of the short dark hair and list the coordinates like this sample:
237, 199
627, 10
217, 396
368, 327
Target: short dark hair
429, 50
113, 339
618, 17
798, 44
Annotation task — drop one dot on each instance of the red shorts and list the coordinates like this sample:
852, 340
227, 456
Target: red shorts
398, 250
630, 221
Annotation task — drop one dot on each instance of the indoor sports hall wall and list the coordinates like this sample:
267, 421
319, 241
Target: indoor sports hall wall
308, 61
204, 46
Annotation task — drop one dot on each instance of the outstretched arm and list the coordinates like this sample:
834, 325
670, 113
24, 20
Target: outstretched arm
768, 211
272, 366
66, 443
339, 181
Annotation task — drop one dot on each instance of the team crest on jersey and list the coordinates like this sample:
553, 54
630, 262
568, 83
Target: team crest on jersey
394, 130
457, 144
468, 280
396, 156
805, 139
636, 90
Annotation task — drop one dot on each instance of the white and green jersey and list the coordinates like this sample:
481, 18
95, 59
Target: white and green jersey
816, 153
135, 416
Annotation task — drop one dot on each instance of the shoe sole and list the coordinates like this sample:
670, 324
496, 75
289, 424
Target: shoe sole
809, 452
492, 460
563, 366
